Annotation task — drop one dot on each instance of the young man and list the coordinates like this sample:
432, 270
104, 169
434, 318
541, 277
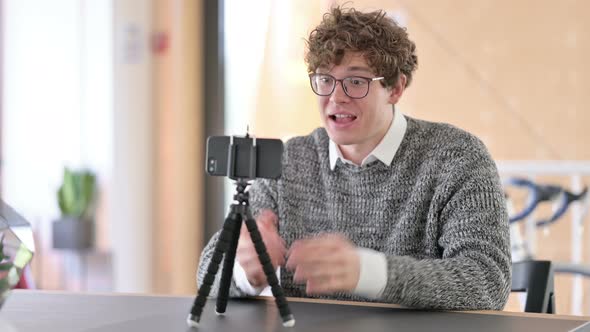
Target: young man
377, 206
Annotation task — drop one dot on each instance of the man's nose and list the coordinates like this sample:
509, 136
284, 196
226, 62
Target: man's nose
339, 96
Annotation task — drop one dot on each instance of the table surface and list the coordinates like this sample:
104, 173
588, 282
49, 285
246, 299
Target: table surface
57, 311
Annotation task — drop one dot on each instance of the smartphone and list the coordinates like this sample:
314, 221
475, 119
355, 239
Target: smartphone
244, 157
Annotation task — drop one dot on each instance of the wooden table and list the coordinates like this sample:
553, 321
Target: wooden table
57, 311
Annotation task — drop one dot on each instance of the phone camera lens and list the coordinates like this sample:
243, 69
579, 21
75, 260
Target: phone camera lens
212, 165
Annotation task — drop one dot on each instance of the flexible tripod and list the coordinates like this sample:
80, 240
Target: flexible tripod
227, 244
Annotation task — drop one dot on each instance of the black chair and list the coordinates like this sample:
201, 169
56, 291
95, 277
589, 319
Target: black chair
536, 279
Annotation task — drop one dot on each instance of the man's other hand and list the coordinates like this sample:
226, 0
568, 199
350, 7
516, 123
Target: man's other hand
327, 264
246, 255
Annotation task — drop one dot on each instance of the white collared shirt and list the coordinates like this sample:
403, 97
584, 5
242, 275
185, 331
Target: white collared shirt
373, 269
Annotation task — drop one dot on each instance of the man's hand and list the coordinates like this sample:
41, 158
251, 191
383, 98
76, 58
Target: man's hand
327, 263
246, 254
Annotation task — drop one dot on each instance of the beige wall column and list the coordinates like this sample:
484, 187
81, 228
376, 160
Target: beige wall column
177, 238
133, 185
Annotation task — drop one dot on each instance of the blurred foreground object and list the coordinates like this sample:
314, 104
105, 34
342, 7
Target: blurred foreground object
16, 248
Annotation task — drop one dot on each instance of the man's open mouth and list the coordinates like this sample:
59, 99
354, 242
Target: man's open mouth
342, 118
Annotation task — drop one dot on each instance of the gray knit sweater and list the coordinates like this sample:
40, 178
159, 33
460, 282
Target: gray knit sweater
438, 213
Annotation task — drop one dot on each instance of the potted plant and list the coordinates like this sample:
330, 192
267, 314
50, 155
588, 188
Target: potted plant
76, 198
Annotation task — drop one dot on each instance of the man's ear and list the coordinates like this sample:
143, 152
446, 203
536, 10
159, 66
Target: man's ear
398, 89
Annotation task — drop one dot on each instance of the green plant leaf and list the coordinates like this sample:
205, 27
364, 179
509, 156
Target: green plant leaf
2, 255
4, 284
6, 266
69, 192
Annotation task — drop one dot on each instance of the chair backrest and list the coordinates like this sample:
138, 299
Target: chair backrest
536, 279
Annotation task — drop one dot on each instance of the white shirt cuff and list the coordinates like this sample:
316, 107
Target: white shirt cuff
373, 273
244, 285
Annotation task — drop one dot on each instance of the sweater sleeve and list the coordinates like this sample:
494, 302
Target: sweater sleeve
263, 195
206, 256
474, 272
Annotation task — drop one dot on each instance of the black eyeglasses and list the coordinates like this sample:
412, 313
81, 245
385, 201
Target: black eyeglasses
355, 87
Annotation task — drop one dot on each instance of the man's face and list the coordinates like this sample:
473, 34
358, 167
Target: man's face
362, 122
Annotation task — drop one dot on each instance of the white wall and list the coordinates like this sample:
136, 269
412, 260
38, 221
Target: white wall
57, 111
57, 106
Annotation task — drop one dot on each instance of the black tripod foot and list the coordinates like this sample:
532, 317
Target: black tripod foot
289, 321
193, 321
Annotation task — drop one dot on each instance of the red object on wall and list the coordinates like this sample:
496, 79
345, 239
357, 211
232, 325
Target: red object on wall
160, 42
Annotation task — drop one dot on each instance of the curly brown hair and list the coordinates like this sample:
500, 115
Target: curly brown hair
384, 44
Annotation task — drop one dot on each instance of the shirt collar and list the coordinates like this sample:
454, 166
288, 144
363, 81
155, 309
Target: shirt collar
384, 151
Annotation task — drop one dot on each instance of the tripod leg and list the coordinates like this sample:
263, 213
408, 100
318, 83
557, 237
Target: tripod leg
221, 247
228, 263
269, 271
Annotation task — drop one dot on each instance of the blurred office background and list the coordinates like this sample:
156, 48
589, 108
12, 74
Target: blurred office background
131, 89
